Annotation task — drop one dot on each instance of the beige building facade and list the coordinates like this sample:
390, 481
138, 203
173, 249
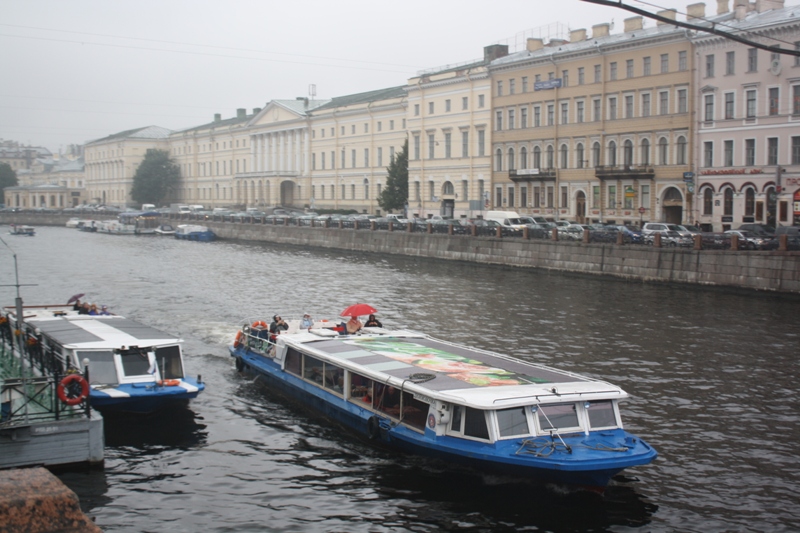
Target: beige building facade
595, 128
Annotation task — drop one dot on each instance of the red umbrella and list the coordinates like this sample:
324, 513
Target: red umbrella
358, 310
75, 297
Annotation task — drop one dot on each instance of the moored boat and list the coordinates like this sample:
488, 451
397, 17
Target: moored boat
165, 230
436, 398
131, 223
21, 229
193, 232
73, 222
131, 367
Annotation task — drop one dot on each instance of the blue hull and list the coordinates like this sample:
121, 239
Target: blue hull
142, 398
586, 465
203, 237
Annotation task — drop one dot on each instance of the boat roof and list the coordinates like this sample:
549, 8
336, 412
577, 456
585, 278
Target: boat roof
447, 370
82, 332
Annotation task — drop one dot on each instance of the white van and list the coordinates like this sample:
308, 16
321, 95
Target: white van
148, 207
509, 219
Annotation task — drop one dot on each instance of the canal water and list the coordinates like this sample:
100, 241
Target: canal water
712, 375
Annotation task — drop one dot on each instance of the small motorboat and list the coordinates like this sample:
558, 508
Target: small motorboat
164, 229
19, 229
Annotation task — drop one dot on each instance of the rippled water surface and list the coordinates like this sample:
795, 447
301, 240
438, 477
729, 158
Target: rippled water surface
712, 375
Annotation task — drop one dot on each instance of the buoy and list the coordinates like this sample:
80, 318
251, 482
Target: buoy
67, 389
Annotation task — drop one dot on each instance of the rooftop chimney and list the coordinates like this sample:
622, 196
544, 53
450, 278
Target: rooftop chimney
256, 110
494, 51
600, 30
534, 44
667, 14
217, 117
633, 24
576, 36
722, 7
557, 42
241, 112
304, 100
766, 5
740, 8
696, 11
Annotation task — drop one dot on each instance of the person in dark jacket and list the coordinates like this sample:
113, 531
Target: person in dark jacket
373, 322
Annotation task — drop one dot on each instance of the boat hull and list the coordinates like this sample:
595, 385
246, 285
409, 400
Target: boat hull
143, 398
592, 470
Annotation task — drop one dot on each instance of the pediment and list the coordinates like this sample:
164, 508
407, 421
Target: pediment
274, 113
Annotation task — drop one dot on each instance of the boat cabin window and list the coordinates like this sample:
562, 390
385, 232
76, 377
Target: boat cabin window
313, 369
387, 400
415, 412
168, 359
513, 422
294, 360
601, 414
469, 422
134, 362
361, 389
559, 417
102, 369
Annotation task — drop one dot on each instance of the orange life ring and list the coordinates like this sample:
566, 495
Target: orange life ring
168, 382
258, 323
66, 389
238, 341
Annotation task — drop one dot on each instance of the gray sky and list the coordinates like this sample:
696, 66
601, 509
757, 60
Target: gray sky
79, 70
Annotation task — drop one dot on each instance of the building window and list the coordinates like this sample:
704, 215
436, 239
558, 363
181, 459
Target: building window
564, 156
645, 196
646, 66
708, 154
499, 121
464, 144
751, 104
596, 154
612, 71
366, 158
523, 157
380, 156
749, 202
523, 118
564, 197
796, 100
353, 159
416, 147
597, 73
595, 196
447, 145
447, 105
537, 157
710, 66
612, 108
772, 151
612, 154
629, 106
727, 208
511, 119
498, 160
579, 155
565, 78
774, 93
550, 114
481, 143
627, 153
646, 105
683, 104
564, 113
728, 154
645, 159
500, 88
511, 165
431, 146
596, 110
749, 152
664, 63
416, 111
581, 76
708, 108
481, 101
729, 106
537, 116
550, 162
680, 156
663, 151
612, 196
524, 84
682, 64
579, 111
708, 201
752, 59
629, 68
512, 86
464, 103
430, 108
663, 103
550, 196
796, 150
730, 63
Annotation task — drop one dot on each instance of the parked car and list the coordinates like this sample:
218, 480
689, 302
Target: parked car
757, 229
788, 230
571, 232
659, 227
444, 225
749, 240
792, 243
541, 231
668, 238
489, 228
689, 231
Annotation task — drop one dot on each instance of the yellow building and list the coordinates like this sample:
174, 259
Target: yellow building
595, 129
449, 132
111, 163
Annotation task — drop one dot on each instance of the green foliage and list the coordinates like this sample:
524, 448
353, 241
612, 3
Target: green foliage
155, 178
8, 178
395, 194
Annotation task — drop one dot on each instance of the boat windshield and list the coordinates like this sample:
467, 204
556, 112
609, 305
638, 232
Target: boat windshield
559, 417
601, 414
169, 362
102, 369
134, 362
513, 422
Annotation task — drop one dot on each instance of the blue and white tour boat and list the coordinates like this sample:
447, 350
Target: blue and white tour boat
130, 367
436, 398
194, 232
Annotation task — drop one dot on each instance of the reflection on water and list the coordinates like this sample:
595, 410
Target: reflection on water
176, 426
712, 375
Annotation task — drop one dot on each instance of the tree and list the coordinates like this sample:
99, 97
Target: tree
395, 195
8, 178
155, 178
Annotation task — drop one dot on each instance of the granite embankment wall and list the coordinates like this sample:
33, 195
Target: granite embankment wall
758, 270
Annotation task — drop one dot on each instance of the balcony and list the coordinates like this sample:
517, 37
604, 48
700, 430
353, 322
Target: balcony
532, 174
625, 172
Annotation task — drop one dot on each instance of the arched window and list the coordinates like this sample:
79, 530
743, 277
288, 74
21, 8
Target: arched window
728, 207
596, 154
612, 154
537, 157
663, 151
564, 156
523, 157
550, 161
579, 155
366, 189
498, 160
708, 201
680, 155
511, 159
448, 188
627, 153
645, 159
749, 202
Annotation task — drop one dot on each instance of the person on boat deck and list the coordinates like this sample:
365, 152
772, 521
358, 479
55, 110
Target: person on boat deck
353, 325
307, 321
77, 305
373, 322
277, 325
83, 309
93, 310
104, 310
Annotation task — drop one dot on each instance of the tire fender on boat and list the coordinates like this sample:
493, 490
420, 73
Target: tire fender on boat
373, 428
239, 364
65, 391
